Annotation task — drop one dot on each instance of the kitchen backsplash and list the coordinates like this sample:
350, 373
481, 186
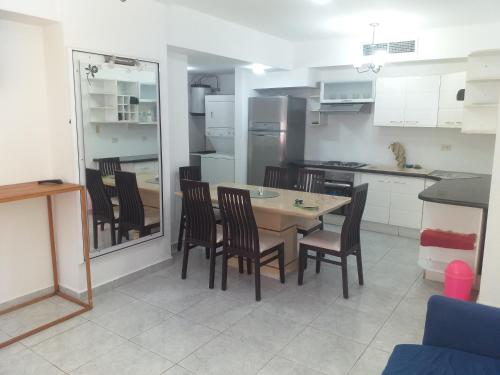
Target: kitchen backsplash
353, 137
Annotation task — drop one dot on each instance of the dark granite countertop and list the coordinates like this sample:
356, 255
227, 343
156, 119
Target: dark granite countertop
455, 188
135, 158
468, 192
408, 172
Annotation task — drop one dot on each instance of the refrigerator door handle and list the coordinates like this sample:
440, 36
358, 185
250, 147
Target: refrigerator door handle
267, 135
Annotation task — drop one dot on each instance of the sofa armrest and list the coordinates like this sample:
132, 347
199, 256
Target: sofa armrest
463, 326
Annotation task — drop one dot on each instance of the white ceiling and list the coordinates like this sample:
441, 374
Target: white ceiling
299, 20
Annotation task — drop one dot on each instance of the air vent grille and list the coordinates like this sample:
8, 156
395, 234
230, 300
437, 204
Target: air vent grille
406, 46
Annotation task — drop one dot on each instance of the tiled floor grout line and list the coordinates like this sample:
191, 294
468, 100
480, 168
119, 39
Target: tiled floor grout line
219, 333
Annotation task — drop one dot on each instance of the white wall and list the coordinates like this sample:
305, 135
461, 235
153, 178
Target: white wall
179, 136
190, 29
490, 279
25, 157
243, 82
44, 9
352, 136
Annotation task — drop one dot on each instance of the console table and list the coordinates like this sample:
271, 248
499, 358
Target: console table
29, 190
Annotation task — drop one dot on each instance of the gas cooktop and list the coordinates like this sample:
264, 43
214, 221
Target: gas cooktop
345, 164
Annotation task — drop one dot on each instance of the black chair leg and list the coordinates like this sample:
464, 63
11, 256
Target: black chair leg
212, 268
120, 234
224, 270
302, 261
249, 266
207, 253
102, 226
94, 230
181, 231
185, 260
240, 264
306, 258
360, 267
257, 280
113, 233
281, 262
318, 261
345, 280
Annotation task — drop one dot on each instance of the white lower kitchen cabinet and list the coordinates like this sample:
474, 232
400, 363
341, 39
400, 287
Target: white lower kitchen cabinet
376, 214
393, 200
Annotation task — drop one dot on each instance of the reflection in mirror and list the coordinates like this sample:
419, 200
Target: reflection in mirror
117, 102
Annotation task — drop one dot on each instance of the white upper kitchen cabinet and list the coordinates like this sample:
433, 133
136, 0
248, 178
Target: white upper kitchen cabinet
219, 111
390, 102
451, 110
407, 101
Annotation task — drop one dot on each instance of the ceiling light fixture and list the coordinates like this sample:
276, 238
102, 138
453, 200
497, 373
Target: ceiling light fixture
258, 69
378, 56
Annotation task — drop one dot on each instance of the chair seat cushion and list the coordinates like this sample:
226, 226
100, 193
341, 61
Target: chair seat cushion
217, 214
151, 216
307, 225
268, 241
323, 239
427, 360
115, 201
219, 234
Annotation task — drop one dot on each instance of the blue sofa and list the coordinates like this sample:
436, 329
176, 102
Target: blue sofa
460, 338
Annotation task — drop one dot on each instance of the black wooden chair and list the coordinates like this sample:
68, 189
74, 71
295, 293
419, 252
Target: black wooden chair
201, 226
133, 214
192, 173
276, 177
340, 245
103, 211
107, 167
242, 239
311, 181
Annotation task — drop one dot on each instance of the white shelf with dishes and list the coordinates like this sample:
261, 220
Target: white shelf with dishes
121, 102
482, 94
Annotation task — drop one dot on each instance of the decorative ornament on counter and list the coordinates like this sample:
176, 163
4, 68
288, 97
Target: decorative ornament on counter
399, 153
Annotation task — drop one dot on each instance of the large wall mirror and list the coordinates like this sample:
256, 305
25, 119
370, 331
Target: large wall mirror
117, 106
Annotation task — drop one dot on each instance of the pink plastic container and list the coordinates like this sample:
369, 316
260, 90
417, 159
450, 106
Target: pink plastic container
458, 280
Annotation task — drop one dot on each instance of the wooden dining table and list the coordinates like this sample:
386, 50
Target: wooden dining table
280, 216
148, 184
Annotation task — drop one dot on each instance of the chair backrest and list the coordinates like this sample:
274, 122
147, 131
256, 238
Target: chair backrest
200, 217
349, 236
108, 166
311, 180
276, 177
131, 207
101, 204
190, 173
238, 221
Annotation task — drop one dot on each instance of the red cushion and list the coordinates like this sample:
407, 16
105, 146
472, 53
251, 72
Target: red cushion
449, 240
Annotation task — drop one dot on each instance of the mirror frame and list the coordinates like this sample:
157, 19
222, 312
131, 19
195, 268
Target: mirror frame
80, 135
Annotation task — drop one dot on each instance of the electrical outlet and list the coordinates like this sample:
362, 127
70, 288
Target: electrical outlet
114, 140
445, 147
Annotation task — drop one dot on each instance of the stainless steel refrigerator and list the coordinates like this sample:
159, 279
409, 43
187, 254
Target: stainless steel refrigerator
276, 133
